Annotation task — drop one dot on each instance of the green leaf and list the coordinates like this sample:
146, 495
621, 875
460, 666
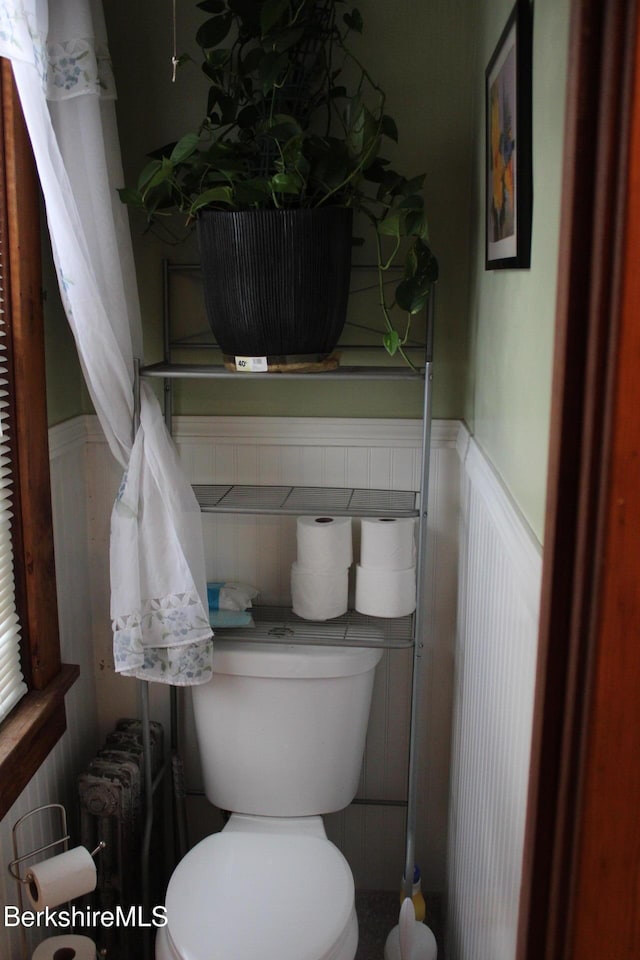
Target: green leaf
391, 185
251, 192
414, 185
185, 147
362, 133
286, 183
413, 202
251, 62
284, 129
390, 226
211, 6
210, 197
217, 58
271, 67
212, 100
375, 171
185, 58
247, 117
286, 39
213, 31
131, 197
411, 295
391, 341
164, 172
411, 263
161, 152
354, 20
389, 128
147, 172
162, 200
425, 265
248, 11
227, 106
272, 11
415, 223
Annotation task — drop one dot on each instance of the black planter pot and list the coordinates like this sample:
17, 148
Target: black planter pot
276, 282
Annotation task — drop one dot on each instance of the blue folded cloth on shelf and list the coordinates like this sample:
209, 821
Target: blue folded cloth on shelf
230, 618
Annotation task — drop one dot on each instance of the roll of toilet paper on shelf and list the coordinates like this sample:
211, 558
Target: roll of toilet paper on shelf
319, 595
385, 593
388, 543
324, 543
62, 878
71, 945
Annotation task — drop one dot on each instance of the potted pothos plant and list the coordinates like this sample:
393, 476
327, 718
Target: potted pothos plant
290, 146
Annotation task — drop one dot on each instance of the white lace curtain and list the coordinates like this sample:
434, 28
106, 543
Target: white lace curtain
158, 591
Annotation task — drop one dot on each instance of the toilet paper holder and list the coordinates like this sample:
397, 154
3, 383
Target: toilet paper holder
62, 840
18, 858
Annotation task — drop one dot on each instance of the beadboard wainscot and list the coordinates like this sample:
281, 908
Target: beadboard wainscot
55, 781
496, 647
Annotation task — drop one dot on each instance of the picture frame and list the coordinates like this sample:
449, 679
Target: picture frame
508, 145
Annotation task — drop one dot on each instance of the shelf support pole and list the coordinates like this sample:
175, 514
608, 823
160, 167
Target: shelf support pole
415, 728
143, 712
166, 328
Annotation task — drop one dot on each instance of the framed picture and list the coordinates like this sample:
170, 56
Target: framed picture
508, 145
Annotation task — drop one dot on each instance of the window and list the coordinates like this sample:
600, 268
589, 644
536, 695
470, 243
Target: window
12, 685
38, 720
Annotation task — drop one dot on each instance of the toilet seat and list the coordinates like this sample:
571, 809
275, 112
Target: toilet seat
235, 893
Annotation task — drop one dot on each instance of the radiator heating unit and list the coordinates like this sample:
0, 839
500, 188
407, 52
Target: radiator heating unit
112, 805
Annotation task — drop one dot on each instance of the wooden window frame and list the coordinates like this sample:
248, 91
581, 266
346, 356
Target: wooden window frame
38, 721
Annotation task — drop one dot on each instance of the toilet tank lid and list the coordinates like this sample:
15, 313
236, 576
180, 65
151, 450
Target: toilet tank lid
246, 659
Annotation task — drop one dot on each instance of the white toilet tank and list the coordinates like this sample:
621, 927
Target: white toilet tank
281, 728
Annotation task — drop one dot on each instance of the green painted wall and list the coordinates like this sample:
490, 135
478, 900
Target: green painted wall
421, 55
513, 311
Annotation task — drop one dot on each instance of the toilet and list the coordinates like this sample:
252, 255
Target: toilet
281, 730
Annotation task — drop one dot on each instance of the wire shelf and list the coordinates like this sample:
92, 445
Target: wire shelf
201, 371
334, 501
281, 625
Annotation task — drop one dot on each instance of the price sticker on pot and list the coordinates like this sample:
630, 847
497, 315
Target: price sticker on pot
252, 364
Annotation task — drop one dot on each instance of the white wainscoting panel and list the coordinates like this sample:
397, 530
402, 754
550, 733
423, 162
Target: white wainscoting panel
55, 781
499, 587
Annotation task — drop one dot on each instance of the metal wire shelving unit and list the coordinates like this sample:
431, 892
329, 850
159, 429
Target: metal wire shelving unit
277, 624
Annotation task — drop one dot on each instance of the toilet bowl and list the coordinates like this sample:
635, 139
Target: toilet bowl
271, 888
281, 732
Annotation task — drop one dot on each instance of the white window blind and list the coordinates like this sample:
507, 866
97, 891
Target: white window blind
12, 685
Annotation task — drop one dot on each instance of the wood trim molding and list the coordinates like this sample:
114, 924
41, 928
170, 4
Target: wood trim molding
313, 431
30, 732
33, 536
592, 228
38, 721
607, 860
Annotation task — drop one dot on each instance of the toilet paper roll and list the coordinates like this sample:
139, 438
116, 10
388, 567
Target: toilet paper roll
388, 543
71, 945
61, 878
319, 595
324, 543
385, 593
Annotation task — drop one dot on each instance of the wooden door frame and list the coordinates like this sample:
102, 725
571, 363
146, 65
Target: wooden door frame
581, 861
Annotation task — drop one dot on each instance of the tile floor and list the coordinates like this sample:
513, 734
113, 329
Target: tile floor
378, 914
